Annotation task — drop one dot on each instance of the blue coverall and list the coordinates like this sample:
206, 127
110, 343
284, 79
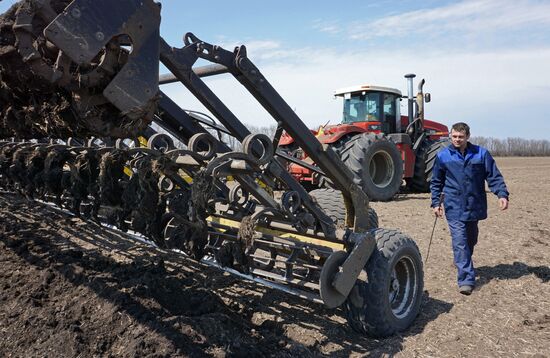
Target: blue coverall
461, 179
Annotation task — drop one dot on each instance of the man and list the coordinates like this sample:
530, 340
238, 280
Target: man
459, 176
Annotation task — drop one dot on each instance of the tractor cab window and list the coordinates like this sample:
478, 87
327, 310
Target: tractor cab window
391, 113
390, 108
362, 108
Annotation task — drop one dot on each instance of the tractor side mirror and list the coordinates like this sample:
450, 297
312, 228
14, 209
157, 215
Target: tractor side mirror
427, 98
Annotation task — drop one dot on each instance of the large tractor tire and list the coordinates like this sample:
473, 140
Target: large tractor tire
332, 203
387, 296
424, 164
376, 163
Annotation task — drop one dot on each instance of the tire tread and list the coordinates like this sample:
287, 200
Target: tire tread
366, 308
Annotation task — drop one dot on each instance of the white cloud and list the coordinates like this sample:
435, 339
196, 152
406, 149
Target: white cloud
462, 18
266, 45
501, 93
330, 27
258, 49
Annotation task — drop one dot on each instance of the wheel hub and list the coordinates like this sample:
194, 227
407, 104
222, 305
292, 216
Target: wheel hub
381, 169
403, 286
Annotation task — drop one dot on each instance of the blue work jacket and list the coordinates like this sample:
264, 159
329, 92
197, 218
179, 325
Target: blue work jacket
461, 179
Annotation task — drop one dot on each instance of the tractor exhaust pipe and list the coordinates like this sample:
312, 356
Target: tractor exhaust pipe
410, 95
420, 106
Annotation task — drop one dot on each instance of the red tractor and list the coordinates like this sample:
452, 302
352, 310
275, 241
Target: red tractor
381, 146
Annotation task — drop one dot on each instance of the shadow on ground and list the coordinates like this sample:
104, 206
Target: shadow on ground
197, 309
511, 272
408, 196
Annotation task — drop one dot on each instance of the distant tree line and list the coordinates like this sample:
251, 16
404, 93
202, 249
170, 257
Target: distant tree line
514, 147
507, 147
234, 144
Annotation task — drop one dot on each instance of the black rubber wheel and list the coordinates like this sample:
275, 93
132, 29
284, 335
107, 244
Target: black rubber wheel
377, 164
387, 296
332, 203
424, 164
337, 147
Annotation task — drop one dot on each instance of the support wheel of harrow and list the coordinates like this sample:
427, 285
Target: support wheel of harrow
387, 296
376, 163
332, 203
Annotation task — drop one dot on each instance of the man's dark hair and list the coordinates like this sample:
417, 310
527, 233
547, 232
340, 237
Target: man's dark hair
461, 127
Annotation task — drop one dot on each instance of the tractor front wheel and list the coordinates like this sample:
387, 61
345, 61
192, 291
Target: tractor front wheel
376, 163
387, 296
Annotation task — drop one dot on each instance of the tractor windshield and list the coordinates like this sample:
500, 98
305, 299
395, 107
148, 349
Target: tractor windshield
362, 108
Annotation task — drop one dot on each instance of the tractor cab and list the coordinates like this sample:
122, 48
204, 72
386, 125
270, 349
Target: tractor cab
379, 106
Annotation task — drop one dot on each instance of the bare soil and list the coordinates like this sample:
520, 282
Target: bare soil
71, 288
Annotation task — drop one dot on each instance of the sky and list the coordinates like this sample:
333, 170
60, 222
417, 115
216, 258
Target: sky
485, 62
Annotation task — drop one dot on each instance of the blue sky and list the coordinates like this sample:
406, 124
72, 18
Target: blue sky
485, 62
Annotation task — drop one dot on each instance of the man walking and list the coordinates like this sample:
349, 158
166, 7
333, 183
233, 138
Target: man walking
459, 173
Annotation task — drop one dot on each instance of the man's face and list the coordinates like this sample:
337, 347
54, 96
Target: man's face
459, 139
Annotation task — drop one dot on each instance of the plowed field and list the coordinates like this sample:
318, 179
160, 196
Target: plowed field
70, 288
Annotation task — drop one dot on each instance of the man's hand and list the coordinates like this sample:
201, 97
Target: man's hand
503, 203
438, 211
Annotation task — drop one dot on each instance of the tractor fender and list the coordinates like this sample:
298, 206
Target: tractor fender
334, 135
286, 139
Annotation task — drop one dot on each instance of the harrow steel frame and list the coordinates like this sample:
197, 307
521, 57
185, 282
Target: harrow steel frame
238, 209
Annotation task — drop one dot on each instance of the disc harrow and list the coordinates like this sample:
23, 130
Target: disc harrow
84, 126
174, 198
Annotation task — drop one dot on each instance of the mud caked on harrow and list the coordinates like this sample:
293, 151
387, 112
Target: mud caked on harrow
84, 125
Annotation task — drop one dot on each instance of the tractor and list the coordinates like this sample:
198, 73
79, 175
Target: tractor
379, 145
